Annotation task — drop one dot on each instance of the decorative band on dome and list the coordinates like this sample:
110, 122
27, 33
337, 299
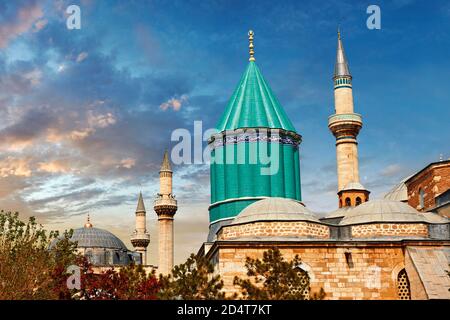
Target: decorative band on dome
254, 135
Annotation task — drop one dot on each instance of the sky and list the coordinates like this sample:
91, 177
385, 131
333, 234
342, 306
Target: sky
86, 114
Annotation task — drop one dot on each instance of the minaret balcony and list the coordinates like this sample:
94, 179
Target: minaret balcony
344, 117
345, 124
163, 201
140, 239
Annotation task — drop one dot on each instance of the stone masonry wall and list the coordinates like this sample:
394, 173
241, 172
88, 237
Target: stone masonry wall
389, 229
367, 272
279, 228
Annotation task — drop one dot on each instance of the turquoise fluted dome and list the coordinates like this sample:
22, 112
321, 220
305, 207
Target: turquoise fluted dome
253, 129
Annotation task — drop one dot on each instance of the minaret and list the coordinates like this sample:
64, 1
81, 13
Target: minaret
165, 207
140, 239
345, 125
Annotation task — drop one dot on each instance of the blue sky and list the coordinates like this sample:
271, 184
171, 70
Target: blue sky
86, 114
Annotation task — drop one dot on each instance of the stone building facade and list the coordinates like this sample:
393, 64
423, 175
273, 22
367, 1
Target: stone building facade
365, 256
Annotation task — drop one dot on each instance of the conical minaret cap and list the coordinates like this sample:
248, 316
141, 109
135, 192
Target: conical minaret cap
140, 205
165, 166
341, 68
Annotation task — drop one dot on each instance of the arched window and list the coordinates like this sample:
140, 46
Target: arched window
348, 203
403, 289
421, 197
305, 283
358, 201
340, 203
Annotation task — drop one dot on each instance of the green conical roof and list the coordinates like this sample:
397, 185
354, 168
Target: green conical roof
253, 105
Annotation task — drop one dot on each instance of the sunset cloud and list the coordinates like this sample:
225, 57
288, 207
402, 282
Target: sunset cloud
55, 166
40, 24
127, 163
11, 166
21, 22
174, 103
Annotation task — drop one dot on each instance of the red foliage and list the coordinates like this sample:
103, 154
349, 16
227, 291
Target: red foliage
129, 283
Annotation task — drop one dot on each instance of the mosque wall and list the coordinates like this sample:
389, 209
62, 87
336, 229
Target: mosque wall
389, 229
363, 271
277, 228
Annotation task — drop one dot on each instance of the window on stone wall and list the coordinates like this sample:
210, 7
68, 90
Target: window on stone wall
403, 289
358, 201
305, 283
421, 198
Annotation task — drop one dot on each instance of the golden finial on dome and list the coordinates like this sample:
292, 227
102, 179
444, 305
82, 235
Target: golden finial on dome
88, 223
339, 32
250, 46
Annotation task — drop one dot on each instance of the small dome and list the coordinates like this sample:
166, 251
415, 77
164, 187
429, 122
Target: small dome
275, 209
399, 192
353, 186
383, 211
96, 238
339, 213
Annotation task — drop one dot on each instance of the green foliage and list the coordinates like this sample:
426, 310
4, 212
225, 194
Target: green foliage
28, 268
192, 280
273, 278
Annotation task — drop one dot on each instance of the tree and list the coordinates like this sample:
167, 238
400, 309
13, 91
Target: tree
29, 269
273, 278
192, 280
129, 283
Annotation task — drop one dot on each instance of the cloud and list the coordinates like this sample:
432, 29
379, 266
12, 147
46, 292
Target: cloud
20, 78
83, 55
40, 24
127, 163
174, 103
34, 77
100, 120
55, 166
26, 129
22, 22
81, 134
94, 122
14, 167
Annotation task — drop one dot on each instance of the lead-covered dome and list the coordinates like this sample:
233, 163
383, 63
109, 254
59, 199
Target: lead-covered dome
275, 218
90, 237
275, 209
385, 211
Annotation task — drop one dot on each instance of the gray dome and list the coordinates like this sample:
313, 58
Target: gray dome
275, 209
97, 238
339, 213
399, 192
385, 211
